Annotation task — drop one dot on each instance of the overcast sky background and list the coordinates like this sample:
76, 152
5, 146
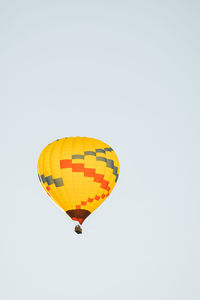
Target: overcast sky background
125, 72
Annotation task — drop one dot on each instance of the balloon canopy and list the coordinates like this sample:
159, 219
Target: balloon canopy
78, 173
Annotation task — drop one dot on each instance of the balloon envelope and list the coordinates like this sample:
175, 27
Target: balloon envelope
78, 173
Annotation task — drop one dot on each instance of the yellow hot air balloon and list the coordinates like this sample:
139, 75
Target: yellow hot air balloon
78, 173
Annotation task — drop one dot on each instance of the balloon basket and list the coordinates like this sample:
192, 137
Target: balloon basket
78, 229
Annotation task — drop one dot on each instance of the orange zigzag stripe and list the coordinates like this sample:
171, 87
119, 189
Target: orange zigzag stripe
88, 172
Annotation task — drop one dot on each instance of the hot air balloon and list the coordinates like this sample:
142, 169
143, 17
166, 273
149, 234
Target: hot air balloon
78, 173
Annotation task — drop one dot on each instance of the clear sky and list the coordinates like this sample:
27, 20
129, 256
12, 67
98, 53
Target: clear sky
125, 72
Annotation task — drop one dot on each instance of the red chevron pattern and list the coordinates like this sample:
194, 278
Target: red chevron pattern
88, 172
67, 163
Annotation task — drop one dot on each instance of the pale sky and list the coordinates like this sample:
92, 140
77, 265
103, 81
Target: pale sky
127, 73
